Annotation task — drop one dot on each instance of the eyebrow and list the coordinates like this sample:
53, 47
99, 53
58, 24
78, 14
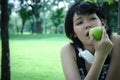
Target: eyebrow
78, 18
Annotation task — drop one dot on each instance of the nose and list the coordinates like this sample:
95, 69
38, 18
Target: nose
87, 25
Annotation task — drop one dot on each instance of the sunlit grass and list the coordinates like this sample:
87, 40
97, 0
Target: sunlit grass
36, 58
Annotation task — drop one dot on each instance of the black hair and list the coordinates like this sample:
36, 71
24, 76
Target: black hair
87, 7
80, 8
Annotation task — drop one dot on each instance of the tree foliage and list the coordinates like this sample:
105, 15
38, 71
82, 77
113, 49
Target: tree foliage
43, 15
110, 8
57, 18
25, 14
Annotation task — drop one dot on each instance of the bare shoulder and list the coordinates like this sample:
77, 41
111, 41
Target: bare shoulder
116, 44
116, 39
115, 56
66, 47
68, 50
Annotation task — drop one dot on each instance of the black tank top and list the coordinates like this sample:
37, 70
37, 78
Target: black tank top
82, 69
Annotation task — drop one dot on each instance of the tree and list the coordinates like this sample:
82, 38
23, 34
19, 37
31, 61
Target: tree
109, 7
57, 18
111, 12
119, 17
25, 15
36, 5
5, 64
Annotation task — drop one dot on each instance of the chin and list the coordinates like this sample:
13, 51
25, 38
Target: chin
90, 43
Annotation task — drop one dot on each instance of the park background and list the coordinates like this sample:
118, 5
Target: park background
36, 35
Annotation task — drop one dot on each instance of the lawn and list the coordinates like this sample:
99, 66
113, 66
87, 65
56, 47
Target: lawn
36, 57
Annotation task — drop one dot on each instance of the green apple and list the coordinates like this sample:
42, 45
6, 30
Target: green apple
96, 32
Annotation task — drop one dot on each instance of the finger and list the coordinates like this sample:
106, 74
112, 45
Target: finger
104, 33
107, 37
91, 37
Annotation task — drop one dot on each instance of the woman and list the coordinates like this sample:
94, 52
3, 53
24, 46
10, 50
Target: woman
80, 18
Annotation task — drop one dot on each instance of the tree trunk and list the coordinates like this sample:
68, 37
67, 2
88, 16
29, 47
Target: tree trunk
23, 23
5, 64
119, 17
36, 14
56, 30
38, 27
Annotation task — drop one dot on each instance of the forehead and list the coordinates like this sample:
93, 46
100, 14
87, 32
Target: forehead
84, 15
80, 16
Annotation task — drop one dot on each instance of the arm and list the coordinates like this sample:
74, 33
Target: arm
68, 59
95, 68
114, 68
102, 49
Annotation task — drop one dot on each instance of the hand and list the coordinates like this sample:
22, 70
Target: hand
104, 46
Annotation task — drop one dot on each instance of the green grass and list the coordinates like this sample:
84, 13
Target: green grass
36, 57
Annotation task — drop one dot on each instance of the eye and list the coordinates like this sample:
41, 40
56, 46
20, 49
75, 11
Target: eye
79, 23
93, 18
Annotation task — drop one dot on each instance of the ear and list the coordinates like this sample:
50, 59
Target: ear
103, 22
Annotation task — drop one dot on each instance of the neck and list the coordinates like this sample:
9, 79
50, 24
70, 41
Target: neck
90, 48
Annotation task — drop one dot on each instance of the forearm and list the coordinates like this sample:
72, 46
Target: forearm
96, 68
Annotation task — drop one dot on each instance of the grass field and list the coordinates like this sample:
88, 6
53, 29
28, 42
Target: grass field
36, 57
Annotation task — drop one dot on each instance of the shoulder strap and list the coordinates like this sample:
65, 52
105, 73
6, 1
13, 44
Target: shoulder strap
107, 61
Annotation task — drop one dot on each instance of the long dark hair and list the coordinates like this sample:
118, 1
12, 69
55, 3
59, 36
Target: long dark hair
80, 8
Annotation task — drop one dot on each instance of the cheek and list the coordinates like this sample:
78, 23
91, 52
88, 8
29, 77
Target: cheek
99, 23
79, 32
96, 23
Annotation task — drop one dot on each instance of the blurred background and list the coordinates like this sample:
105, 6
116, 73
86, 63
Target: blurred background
32, 34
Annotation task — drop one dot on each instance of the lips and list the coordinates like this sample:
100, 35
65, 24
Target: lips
87, 33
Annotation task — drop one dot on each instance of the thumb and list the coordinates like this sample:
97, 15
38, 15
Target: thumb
91, 37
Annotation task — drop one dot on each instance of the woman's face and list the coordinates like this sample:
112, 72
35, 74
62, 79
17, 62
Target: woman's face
83, 23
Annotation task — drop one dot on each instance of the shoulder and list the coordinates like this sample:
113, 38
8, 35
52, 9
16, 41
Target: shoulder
115, 37
68, 51
116, 44
66, 46
116, 40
